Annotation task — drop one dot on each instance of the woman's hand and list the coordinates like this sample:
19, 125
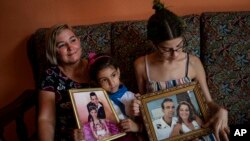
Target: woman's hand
129, 125
219, 122
135, 105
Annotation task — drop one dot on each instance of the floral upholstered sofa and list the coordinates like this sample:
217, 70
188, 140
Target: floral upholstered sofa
220, 39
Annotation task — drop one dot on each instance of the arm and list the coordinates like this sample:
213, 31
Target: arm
219, 121
176, 130
139, 66
46, 116
198, 120
92, 130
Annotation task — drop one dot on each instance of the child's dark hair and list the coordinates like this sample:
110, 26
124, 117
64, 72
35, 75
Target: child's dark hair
164, 24
99, 62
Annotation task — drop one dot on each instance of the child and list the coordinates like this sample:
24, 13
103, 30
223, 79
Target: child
105, 71
100, 130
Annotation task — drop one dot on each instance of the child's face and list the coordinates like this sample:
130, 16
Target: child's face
98, 127
109, 79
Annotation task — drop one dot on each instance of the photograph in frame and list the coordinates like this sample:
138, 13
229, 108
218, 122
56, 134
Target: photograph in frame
95, 114
181, 103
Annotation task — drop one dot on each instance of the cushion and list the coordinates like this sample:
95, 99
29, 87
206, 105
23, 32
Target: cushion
226, 58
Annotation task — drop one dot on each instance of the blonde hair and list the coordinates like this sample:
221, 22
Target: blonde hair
51, 35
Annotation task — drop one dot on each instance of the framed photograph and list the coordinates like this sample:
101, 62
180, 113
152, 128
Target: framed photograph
176, 113
95, 114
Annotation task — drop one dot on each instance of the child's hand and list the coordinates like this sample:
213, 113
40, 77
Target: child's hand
129, 125
135, 105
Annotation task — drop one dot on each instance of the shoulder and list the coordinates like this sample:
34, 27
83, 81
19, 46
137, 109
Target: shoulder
175, 119
52, 70
139, 62
158, 121
194, 60
196, 65
128, 96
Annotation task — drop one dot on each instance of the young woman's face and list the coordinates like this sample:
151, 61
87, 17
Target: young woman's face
184, 111
109, 79
68, 47
93, 113
171, 49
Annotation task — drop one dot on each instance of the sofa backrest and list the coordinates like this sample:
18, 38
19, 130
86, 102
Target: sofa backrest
124, 40
225, 53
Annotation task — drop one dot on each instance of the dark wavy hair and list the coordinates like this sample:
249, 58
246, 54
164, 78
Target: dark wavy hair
163, 24
91, 108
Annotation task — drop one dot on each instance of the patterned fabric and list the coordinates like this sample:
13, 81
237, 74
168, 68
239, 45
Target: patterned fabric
129, 45
54, 80
225, 53
226, 58
94, 38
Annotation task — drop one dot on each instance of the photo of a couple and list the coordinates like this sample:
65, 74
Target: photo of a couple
95, 115
176, 115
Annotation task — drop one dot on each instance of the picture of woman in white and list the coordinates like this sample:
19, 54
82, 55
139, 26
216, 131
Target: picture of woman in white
188, 121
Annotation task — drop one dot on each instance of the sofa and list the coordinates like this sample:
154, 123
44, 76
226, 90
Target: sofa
220, 39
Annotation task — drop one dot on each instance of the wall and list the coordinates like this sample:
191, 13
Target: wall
20, 18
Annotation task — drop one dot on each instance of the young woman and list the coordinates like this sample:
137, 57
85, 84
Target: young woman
169, 66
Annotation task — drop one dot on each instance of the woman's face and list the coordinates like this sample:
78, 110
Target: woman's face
93, 113
171, 49
109, 79
184, 111
68, 47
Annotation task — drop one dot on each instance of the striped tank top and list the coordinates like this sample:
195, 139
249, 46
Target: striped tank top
153, 86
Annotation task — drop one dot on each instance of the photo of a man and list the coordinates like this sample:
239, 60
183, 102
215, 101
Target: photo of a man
95, 102
164, 126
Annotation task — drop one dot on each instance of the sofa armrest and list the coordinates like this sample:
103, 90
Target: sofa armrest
15, 112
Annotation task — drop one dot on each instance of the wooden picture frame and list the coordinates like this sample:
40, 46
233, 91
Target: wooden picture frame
153, 109
95, 117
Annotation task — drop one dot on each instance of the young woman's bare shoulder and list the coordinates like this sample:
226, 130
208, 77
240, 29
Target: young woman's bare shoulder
139, 62
194, 60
